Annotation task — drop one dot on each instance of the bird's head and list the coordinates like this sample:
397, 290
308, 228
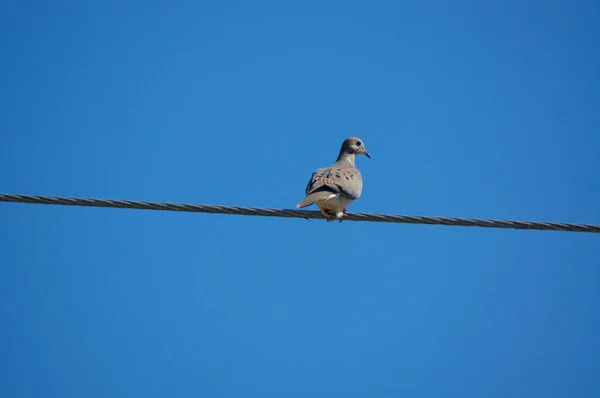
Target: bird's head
354, 146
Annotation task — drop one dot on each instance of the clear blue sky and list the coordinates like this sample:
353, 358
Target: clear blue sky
472, 110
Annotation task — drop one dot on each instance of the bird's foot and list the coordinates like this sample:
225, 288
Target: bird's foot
344, 211
333, 215
328, 215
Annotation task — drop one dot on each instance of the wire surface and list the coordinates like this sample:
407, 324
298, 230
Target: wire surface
306, 214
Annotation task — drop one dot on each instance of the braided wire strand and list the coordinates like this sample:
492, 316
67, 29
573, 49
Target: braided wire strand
306, 214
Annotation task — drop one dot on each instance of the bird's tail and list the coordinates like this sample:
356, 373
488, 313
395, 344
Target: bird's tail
312, 198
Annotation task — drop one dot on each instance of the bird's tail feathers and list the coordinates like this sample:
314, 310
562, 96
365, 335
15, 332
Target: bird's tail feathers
312, 198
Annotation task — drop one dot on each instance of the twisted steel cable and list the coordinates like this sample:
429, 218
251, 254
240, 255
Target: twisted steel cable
306, 214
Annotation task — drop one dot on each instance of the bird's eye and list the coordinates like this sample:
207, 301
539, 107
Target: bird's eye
358, 143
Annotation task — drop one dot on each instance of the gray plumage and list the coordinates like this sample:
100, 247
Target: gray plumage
333, 188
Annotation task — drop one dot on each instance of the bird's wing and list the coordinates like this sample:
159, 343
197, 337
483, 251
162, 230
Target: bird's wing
341, 178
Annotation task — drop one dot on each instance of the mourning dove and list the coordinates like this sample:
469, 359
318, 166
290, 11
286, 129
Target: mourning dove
333, 188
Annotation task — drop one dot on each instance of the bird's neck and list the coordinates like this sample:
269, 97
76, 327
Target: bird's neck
346, 157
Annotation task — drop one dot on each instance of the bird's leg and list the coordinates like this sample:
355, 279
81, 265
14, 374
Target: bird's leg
327, 215
344, 211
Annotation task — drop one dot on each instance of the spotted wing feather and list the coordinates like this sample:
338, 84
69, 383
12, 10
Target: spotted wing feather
337, 179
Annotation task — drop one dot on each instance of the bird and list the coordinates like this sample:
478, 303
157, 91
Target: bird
333, 188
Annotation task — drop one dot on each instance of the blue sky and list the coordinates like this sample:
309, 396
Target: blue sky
474, 110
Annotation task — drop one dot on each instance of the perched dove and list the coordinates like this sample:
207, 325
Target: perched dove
333, 188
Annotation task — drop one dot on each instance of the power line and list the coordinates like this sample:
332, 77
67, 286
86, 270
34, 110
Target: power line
306, 214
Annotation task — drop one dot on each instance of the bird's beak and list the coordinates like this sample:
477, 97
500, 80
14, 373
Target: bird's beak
367, 154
